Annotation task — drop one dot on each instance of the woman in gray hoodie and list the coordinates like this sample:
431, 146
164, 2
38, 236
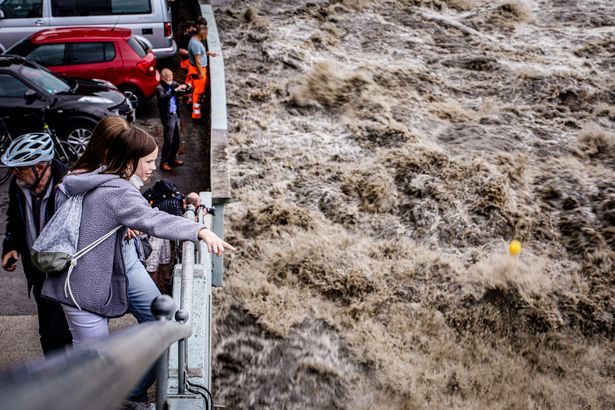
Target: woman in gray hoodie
141, 288
98, 282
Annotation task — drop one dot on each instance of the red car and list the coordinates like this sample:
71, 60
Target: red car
105, 53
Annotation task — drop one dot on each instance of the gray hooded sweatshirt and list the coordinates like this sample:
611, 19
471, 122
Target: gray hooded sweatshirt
98, 281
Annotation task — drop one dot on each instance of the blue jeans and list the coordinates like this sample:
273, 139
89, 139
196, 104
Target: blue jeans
141, 292
141, 288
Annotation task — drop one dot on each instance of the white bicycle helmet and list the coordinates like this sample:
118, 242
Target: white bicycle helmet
29, 149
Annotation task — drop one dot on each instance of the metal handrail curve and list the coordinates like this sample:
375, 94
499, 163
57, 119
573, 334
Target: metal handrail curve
96, 377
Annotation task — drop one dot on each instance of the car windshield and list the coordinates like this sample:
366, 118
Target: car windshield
45, 80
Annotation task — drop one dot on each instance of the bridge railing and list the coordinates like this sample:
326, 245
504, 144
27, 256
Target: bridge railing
190, 360
96, 377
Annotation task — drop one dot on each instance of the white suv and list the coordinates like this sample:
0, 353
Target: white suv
150, 19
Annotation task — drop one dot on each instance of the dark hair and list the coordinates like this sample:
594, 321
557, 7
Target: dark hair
94, 155
188, 23
127, 149
200, 20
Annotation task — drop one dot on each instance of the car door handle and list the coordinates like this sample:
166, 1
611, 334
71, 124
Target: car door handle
39, 22
112, 69
60, 73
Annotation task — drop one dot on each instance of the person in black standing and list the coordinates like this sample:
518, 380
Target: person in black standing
31, 205
184, 39
168, 106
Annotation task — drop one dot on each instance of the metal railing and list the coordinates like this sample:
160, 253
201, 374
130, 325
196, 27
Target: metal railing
192, 366
96, 377
186, 303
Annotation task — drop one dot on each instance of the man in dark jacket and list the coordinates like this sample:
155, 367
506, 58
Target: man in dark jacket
168, 105
31, 205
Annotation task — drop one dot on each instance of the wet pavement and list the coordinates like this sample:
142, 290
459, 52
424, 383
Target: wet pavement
192, 176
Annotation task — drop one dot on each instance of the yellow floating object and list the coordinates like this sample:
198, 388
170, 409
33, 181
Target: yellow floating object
514, 247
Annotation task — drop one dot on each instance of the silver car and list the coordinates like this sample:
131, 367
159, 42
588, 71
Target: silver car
150, 19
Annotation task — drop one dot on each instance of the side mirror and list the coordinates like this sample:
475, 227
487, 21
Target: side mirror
30, 95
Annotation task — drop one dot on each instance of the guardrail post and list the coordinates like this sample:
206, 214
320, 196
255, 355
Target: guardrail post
162, 309
185, 302
181, 316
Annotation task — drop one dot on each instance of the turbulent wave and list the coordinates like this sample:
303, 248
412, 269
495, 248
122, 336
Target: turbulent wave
384, 153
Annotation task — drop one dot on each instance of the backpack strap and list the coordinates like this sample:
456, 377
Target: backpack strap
67, 290
73, 262
94, 244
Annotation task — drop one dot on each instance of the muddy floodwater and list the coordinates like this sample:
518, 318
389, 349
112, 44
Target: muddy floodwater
383, 155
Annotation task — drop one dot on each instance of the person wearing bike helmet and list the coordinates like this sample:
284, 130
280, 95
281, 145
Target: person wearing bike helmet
31, 205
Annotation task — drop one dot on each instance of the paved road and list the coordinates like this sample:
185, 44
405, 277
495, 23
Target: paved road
193, 176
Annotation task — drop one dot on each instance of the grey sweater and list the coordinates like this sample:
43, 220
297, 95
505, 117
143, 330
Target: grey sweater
98, 281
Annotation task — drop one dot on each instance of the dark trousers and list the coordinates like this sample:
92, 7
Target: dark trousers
175, 16
52, 325
171, 138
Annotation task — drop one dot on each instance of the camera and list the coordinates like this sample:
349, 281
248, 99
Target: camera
210, 211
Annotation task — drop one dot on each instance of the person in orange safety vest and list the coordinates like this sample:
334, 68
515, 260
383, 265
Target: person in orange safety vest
197, 68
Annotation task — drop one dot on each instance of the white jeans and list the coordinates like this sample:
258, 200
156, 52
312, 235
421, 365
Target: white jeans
85, 326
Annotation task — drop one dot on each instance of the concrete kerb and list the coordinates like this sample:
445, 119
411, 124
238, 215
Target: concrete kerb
219, 171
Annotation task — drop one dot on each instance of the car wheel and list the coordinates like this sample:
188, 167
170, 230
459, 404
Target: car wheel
77, 135
133, 95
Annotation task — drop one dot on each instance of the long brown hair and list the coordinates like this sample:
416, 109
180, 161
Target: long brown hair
126, 149
94, 155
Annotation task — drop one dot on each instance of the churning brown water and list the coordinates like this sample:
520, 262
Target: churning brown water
383, 155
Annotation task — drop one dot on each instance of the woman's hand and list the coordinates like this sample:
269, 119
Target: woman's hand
215, 245
132, 233
9, 261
